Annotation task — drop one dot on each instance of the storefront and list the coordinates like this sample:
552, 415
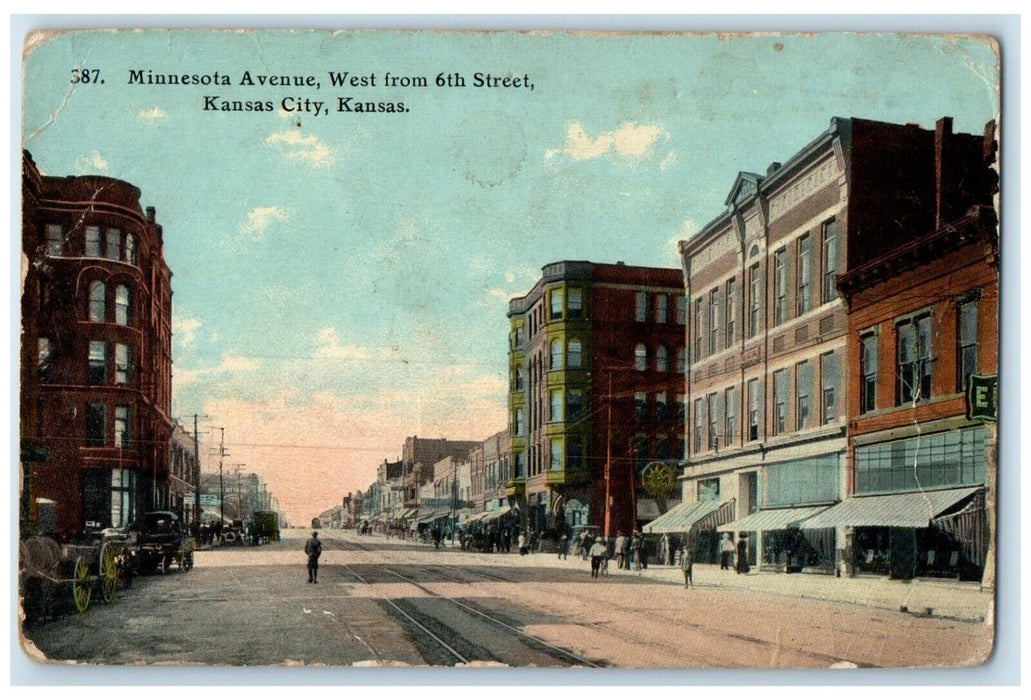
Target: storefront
783, 546
695, 523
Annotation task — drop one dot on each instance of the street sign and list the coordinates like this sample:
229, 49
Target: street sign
207, 500
983, 397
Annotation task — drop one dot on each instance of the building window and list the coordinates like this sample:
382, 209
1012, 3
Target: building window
681, 447
681, 408
914, 359
640, 450
966, 339
574, 406
113, 244
661, 308
123, 486
122, 433
714, 321
97, 302
55, 240
712, 409
574, 454
731, 311
953, 458
45, 361
831, 231
680, 303
574, 354
519, 427
556, 354
830, 380
92, 241
755, 407
805, 274
699, 425
709, 490
640, 406
97, 373
556, 304
780, 401
640, 357
556, 405
641, 308
556, 455
96, 425
661, 407
123, 305
575, 304
130, 249
803, 394
661, 359
754, 293
662, 450
780, 288
681, 360
868, 372
699, 330
123, 366
730, 416
520, 378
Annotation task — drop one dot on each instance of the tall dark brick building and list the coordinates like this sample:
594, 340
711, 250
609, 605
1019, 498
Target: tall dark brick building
596, 391
96, 365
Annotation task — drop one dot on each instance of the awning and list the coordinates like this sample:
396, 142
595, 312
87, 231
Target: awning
773, 519
435, 515
684, 516
494, 514
893, 510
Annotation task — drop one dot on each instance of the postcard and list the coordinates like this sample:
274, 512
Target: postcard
509, 349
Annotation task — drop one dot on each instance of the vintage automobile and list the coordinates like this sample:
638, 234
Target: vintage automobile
160, 541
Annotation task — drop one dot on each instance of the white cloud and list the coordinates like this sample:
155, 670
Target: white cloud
151, 115
259, 219
669, 161
91, 162
232, 363
297, 146
185, 329
630, 141
328, 347
685, 232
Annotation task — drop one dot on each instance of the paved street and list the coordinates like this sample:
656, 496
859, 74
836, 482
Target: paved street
391, 602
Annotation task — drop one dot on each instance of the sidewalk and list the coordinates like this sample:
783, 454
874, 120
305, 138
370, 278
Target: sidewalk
927, 597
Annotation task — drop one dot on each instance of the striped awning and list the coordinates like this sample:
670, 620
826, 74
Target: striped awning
435, 515
893, 510
772, 519
684, 516
494, 514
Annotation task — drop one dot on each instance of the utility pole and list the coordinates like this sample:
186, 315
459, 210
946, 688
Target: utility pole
196, 470
221, 483
608, 465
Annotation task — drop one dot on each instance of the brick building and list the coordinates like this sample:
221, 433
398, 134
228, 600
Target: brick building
96, 365
923, 317
768, 333
596, 388
418, 456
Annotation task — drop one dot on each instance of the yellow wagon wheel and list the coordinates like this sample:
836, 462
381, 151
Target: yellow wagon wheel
109, 578
82, 585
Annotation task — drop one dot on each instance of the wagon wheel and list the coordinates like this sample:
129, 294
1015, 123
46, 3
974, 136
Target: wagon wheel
82, 585
164, 564
109, 574
186, 559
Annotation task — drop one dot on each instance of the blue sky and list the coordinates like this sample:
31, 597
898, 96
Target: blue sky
341, 281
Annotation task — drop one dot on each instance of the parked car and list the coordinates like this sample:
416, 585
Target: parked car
159, 542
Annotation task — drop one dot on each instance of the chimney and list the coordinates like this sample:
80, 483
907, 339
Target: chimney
942, 176
774, 167
150, 215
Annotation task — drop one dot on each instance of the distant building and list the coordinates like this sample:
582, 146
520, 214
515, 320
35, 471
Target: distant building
596, 386
418, 457
183, 473
96, 364
490, 472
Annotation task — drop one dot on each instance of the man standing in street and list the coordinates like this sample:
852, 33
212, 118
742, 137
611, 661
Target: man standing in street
598, 552
313, 548
726, 551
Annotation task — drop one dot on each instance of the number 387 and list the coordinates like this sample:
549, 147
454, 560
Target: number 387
85, 75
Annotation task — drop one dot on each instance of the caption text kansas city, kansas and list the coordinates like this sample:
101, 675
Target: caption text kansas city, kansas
363, 85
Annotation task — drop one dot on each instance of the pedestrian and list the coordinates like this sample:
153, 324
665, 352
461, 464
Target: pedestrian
598, 552
742, 556
522, 543
635, 550
313, 548
621, 550
726, 551
563, 544
687, 565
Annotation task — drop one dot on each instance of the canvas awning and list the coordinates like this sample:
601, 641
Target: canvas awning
893, 510
684, 516
772, 519
435, 515
494, 514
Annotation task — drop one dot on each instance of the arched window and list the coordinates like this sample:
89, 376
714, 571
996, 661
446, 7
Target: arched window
130, 249
123, 305
574, 354
640, 357
97, 302
556, 354
662, 359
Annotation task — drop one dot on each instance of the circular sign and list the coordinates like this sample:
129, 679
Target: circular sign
659, 479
